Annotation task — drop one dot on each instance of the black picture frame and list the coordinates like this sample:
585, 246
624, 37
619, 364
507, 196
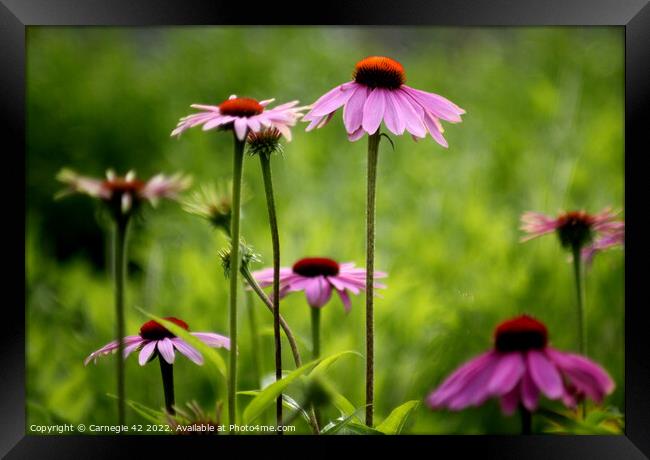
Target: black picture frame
633, 15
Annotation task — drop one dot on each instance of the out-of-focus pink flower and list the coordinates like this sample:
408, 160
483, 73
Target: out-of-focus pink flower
155, 340
318, 277
243, 115
521, 367
125, 192
377, 93
589, 232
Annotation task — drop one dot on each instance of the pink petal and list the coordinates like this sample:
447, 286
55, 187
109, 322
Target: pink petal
509, 371
545, 374
510, 401
213, 340
166, 350
586, 375
345, 298
146, 352
332, 100
355, 136
392, 118
353, 109
318, 292
412, 115
460, 378
241, 126
373, 111
189, 351
529, 392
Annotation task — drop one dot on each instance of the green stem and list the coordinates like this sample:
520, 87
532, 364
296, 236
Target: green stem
577, 272
283, 324
373, 151
265, 161
246, 274
580, 294
315, 332
167, 371
526, 420
119, 273
315, 344
237, 172
255, 343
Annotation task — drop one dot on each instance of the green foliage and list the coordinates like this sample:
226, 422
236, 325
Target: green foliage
543, 131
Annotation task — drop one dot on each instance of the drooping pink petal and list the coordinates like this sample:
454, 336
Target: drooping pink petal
475, 391
353, 109
111, 347
529, 392
537, 224
412, 115
241, 127
436, 104
316, 291
166, 350
434, 128
355, 136
190, 352
373, 111
146, 352
213, 340
510, 401
332, 100
345, 298
458, 379
544, 374
508, 373
392, 116
586, 375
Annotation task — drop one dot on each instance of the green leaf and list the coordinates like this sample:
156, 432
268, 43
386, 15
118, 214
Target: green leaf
287, 402
339, 401
269, 394
359, 428
325, 363
337, 425
394, 423
152, 415
210, 353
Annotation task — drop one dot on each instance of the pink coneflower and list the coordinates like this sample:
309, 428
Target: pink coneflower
155, 340
243, 115
318, 277
124, 193
576, 228
377, 93
521, 367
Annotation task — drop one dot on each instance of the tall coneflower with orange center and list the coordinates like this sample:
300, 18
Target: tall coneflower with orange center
378, 93
123, 196
241, 115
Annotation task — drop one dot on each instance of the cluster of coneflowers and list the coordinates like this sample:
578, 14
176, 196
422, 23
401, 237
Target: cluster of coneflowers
520, 366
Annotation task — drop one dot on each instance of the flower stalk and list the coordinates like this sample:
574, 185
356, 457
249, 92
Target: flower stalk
238, 166
265, 162
255, 343
373, 153
315, 332
119, 273
577, 273
526, 420
167, 372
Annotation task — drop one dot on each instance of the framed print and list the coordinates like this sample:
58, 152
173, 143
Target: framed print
387, 225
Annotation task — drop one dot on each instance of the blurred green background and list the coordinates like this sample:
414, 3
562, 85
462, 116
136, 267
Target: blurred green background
543, 131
